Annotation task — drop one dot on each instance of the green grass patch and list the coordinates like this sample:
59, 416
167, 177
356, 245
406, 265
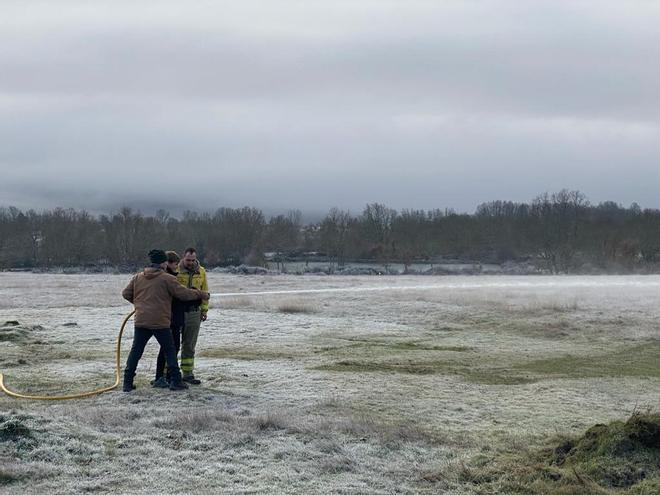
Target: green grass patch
447, 328
246, 354
408, 345
486, 376
494, 376
418, 358
404, 357
370, 366
638, 361
415, 346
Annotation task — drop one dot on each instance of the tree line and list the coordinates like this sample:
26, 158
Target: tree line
562, 232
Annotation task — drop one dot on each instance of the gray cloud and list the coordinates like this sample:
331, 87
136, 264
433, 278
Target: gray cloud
311, 105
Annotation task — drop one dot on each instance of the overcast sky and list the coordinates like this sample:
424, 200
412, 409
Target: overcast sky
313, 104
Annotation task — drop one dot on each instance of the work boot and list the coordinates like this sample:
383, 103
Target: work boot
191, 379
160, 382
178, 385
128, 384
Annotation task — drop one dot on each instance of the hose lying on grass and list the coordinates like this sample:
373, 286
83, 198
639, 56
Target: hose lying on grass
83, 394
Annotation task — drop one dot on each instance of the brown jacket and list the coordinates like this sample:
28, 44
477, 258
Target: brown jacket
151, 291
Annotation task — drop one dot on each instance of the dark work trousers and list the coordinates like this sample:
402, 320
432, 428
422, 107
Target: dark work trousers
160, 362
140, 339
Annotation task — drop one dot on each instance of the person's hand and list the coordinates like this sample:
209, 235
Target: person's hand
205, 295
204, 316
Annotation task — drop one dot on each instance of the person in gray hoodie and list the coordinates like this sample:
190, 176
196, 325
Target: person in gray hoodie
151, 291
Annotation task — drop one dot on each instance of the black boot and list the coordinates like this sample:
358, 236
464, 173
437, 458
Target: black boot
191, 379
160, 382
128, 381
178, 384
175, 380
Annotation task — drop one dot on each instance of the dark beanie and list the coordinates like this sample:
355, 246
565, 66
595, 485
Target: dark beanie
157, 256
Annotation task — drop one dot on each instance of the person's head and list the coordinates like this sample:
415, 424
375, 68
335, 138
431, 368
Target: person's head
158, 257
172, 261
189, 257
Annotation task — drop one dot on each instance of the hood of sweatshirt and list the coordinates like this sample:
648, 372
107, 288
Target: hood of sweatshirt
150, 272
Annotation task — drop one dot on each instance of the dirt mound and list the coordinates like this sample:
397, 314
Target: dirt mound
622, 458
617, 454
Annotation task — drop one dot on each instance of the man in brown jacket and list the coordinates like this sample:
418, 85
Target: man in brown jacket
151, 291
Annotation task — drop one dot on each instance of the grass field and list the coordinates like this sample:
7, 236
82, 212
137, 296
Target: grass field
429, 390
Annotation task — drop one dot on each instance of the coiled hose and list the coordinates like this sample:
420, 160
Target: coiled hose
83, 394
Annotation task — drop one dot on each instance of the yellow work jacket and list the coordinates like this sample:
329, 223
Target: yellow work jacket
194, 279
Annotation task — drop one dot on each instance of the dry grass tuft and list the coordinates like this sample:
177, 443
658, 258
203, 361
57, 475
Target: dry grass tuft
197, 421
205, 421
238, 303
336, 464
551, 306
269, 421
294, 306
367, 427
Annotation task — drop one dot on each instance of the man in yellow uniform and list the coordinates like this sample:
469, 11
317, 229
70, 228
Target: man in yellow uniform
193, 276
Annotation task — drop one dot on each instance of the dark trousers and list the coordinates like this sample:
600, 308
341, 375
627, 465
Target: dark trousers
140, 339
160, 362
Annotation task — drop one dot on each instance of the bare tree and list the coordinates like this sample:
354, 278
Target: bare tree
377, 221
558, 220
333, 235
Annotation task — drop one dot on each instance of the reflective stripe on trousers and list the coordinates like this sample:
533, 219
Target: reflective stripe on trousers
192, 322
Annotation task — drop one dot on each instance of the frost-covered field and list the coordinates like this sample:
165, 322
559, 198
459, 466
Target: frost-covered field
375, 391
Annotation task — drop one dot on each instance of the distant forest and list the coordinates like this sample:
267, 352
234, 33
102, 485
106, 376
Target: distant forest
560, 232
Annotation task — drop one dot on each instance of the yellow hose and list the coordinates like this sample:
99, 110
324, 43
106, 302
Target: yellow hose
84, 394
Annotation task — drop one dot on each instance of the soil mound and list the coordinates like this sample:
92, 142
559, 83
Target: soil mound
616, 455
